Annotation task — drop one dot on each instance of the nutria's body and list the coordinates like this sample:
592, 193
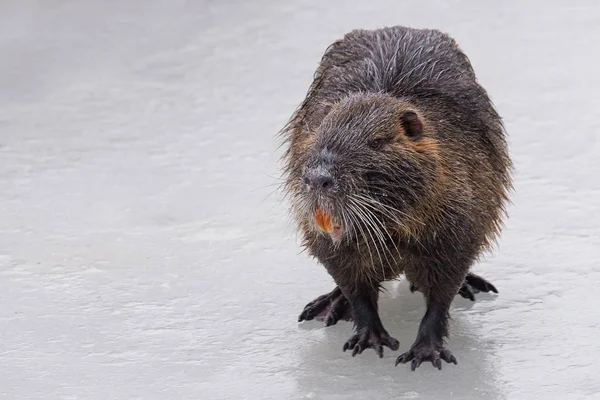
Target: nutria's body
401, 148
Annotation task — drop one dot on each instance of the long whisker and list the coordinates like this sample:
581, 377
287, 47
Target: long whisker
388, 207
387, 210
370, 227
381, 224
380, 238
356, 220
381, 229
389, 215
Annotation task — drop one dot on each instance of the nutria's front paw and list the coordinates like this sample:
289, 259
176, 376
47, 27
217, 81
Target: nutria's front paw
371, 338
318, 306
424, 352
330, 307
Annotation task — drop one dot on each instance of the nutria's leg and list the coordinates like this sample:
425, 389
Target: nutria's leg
472, 285
330, 307
369, 331
429, 345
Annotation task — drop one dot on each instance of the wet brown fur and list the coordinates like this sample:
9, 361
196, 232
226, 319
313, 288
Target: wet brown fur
454, 193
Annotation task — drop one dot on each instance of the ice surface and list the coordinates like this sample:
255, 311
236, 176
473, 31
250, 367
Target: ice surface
144, 251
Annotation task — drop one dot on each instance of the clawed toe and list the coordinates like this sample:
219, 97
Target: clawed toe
480, 284
467, 291
320, 306
474, 284
447, 356
312, 309
419, 353
369, 338
340, 309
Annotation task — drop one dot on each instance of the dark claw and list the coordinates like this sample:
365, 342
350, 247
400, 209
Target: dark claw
312, 309
340, 309
304, 316
415, 364
422, 352
467, 291
351, 343
321, 306
447, 356
404, 358
379, 351
330, 320
371, 338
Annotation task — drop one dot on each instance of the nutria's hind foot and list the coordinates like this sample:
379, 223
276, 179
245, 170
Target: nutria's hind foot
330, 307
420, 352
371, 337
480, 283
474, 284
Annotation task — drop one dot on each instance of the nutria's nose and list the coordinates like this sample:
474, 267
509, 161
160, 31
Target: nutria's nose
322, 182
318, 178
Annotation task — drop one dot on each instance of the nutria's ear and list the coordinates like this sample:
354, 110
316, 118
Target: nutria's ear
413, 127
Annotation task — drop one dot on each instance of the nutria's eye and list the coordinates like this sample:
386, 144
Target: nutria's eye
376, 144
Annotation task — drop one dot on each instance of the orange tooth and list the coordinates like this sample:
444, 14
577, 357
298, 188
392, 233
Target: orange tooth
323, 220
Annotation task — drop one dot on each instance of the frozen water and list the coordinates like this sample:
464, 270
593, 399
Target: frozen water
144, 252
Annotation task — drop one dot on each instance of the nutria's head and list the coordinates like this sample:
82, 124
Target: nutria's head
363, 172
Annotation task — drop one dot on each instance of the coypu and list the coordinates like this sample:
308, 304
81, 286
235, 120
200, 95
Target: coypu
396, 163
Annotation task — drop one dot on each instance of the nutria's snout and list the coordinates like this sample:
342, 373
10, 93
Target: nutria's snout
323, 194
318, 172
319, 179
324, 209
